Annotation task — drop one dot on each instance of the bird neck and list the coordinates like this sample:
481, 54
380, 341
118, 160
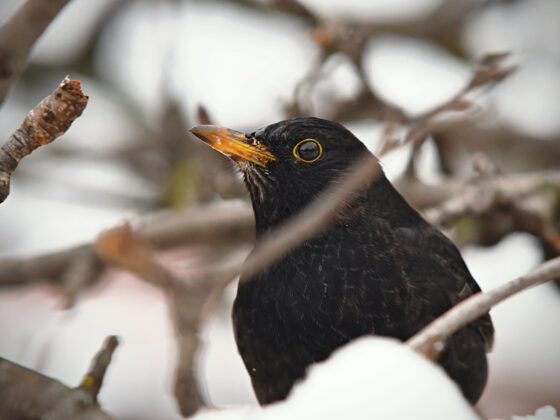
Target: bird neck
384, 201
379, 200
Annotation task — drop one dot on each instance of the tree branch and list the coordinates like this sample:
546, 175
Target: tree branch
93, 380
26, 394
43, 124
319, 213
313, 218
19, 34
430, 339
208, 225
80, 273
483, 195
126, 249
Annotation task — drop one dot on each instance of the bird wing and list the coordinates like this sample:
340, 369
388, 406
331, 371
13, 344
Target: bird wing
435, 276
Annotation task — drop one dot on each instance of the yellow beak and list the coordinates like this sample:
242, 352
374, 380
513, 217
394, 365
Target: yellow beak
233, 144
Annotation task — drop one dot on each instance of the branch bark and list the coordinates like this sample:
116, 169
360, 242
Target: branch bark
51, 118
26, 394
19, 34
430, 339
93, 380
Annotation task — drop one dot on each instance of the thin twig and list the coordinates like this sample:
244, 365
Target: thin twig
428, 339
488, 71
203, 116
50, 119
19, 34
349, 36
93, 380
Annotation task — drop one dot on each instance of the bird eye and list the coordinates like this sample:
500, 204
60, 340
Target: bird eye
308, 150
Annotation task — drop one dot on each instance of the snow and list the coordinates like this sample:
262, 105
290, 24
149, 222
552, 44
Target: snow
370, 378
214, 53
367, 10
413, 75
537, 85
544, 413
521, 26
241, 84
61, 344
525, 362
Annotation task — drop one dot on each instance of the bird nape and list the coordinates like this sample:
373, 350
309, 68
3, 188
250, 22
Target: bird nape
377, 268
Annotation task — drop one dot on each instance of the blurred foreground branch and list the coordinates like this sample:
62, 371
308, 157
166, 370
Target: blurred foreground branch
441, 203
93, 380
19, 34
208, 225
430, 339
128, 250
43, 124
442, 25
483, 194
314, 217
26, 394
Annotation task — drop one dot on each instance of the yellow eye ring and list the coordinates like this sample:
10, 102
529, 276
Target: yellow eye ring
307, 150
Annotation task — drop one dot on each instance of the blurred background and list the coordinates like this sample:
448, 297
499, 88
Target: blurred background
148, 66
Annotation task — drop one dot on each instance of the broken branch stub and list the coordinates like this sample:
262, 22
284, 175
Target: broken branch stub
51, 118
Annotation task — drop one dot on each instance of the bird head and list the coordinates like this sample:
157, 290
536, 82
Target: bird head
287, 164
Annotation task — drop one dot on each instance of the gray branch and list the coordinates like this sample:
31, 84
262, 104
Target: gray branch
19, 34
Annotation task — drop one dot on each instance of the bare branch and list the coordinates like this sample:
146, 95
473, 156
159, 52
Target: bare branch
80, 273
19, 34
309, 222
293, 7
43, 124
430, 339
126, 249
510, 150
203, 116
313, 218
208, 225
443, 25
27, 394
122, 247
492, 68
488, 71
49, 266
93, 380
228, 225
485, 194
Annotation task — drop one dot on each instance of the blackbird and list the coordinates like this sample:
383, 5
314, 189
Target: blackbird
377, 268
